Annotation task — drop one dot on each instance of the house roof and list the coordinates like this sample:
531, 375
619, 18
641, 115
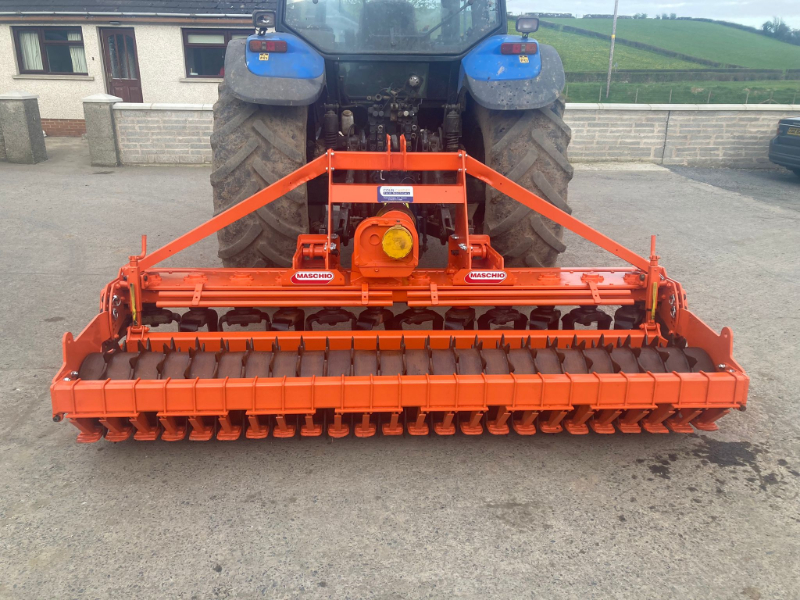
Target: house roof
131, 7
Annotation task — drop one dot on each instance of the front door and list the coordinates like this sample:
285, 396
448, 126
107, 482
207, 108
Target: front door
122, 65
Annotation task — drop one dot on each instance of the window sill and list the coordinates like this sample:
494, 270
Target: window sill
200, 79
66, 77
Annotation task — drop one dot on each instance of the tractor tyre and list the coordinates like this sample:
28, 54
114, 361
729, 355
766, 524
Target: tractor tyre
530, 148
254, 146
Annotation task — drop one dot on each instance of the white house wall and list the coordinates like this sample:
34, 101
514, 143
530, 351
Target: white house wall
59, 95
161, 64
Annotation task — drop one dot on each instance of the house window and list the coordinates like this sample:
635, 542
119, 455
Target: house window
204, 50
50, 50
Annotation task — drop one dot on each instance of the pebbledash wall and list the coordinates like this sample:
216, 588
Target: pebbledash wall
676, 134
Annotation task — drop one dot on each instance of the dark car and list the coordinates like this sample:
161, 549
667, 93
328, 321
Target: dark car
784, 150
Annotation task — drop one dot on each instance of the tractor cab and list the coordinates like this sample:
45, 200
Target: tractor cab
443, 27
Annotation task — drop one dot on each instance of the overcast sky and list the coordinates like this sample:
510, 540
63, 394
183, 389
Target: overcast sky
748, 12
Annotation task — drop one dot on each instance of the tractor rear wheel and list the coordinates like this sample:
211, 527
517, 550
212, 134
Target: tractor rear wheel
530, 148
253, 146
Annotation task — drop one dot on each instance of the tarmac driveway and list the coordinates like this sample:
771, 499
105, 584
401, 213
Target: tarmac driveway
551, 516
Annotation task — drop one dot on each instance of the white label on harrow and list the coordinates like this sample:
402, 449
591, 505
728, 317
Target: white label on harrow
312, 277
485, 277
395, 193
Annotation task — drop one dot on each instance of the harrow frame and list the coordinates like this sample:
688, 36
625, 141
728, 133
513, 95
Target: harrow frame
653, 401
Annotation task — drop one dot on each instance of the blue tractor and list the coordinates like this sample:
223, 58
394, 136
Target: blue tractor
358, 75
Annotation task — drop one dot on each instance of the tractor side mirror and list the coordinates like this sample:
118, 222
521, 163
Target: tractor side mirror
526, 25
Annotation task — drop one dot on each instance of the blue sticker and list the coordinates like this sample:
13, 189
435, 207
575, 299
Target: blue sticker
395, 193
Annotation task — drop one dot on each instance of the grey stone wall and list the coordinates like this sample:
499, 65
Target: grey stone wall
722, 137
677, 134
603, 135
163, 133
669, 134
2, 146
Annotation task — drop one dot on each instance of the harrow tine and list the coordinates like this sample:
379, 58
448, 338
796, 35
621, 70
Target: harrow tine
145, 429
526, 423
471, 423
202, 430
366, 428
654, 422
90, 430
338, 429
310, 428
419, 426
258, 427
603, 422
499, 424
228, 431
550, 421
174, 430
117, 429
283, 429
393, 427
629, 422
707, 420
445, 426
576, 421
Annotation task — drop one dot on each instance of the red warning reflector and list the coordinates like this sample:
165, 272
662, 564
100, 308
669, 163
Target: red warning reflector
519, 48
267, 46
312, 277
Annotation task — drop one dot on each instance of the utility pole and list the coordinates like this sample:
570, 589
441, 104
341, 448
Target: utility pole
611, 55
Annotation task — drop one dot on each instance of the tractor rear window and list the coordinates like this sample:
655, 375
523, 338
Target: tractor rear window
204, 50
392, 26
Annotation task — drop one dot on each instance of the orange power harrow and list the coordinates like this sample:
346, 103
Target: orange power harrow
659, 368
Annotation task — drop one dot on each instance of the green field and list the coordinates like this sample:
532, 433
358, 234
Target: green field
695, 92
702, 40
581, 53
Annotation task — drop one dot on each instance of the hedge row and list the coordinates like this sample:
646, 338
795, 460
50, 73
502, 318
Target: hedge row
737, 26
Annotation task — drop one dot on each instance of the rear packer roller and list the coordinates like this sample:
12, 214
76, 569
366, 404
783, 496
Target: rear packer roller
528, 349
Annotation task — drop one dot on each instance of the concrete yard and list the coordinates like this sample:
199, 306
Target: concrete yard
623, 516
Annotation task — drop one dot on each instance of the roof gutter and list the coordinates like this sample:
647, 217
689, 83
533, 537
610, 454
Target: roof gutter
126, 17
120, 14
